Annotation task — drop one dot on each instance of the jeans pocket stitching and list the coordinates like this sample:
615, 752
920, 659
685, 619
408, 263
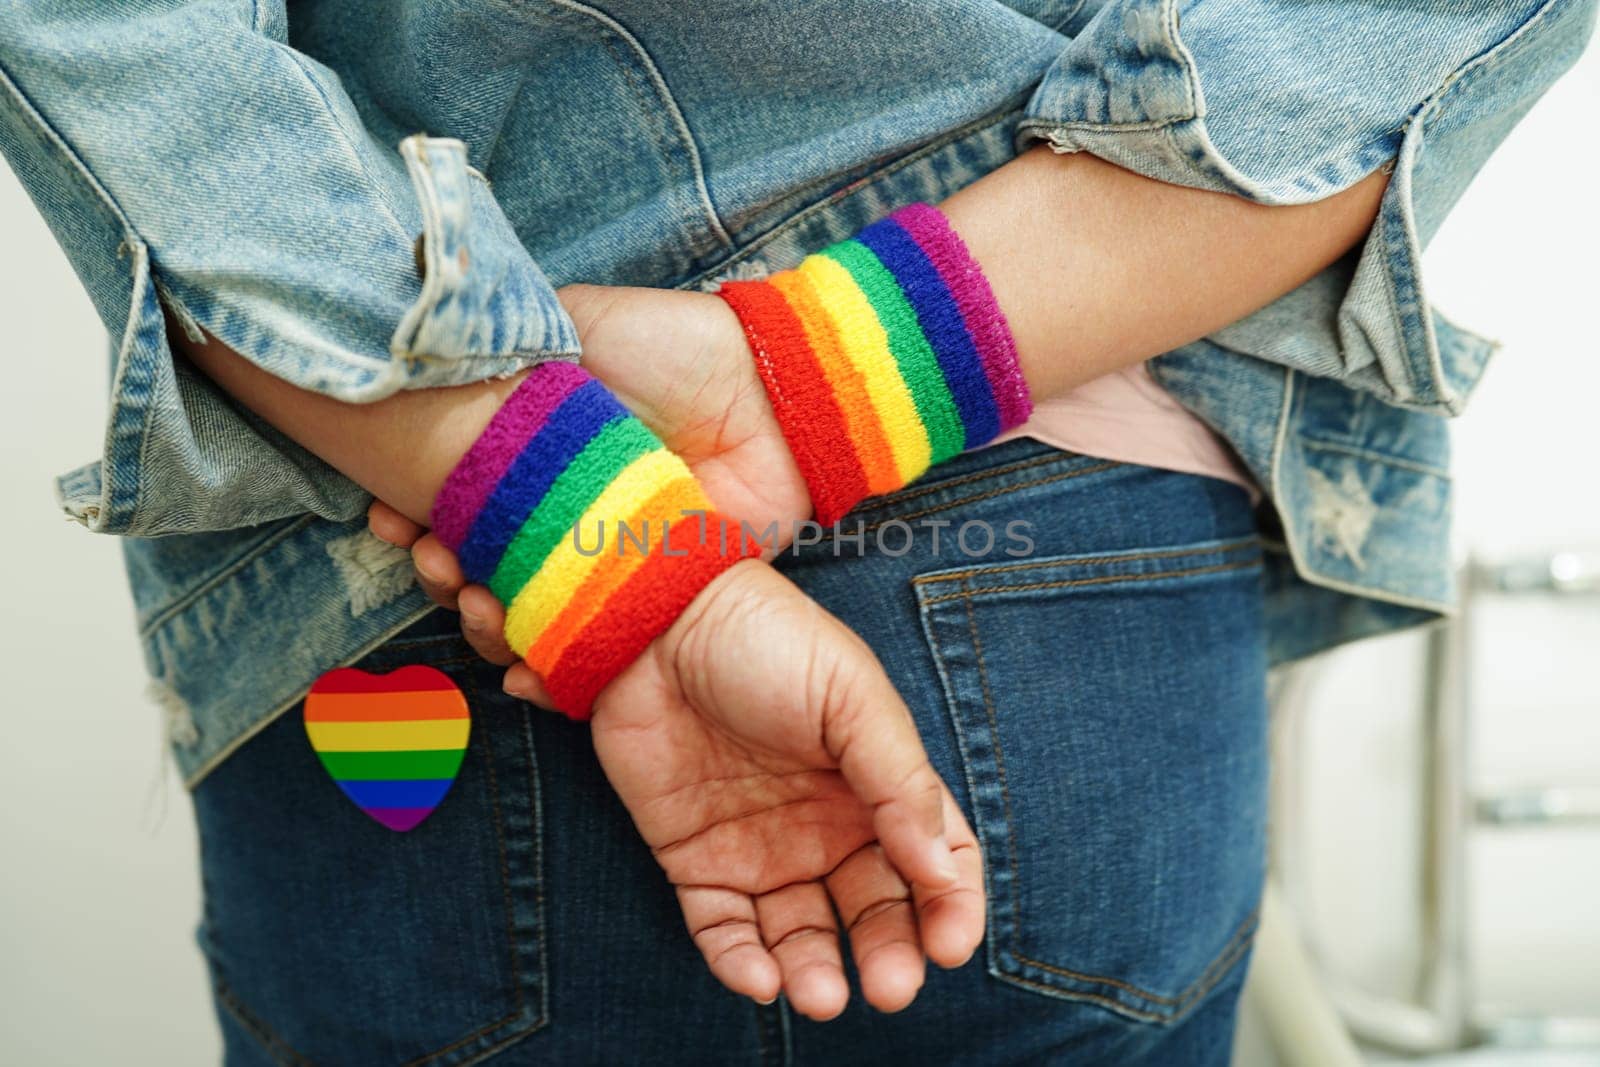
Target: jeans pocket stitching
274, 1045
1006, 914
921, 488
521, 1008
1218, 969
1172, 1007
997, 913
1013, 909
279, 1048
1104, 579
988, 494
1089, 561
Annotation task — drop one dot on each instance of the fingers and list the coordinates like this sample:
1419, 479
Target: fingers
725, 930
483, 617
788, 940
439, 574
875, 904
951, 919
389, 525
438, 571
483, 623
799, 929
870, 732
522, 683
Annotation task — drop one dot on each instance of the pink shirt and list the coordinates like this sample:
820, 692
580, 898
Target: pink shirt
1127, 417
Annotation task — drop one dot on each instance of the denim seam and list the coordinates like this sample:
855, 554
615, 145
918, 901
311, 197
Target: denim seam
31, 122
784, 1019
959, 725
280, 1050
1224, 962
35, 123
143, 262
923, 489
1105, 579
536, 798
1193, 110
1149, 126
1207, 978
1390, 226
1318, 444
986, 495
492, 145
1014, 908
228, 570
1486, 60
1061, 18
277, 1046
1120, 557
685, 142
866, 181
1437, 390
942, 667
1441, 389
417, 645
1302, 565
511, 935
379, 194
511, 941
1220, 963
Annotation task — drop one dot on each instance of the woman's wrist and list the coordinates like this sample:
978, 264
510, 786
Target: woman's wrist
400, 449
592, 533
882, 355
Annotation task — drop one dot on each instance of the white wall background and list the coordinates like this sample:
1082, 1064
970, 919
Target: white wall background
98, 879
1516, 261
99, 886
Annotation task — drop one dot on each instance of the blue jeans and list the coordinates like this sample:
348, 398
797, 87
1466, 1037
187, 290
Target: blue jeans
1095, 703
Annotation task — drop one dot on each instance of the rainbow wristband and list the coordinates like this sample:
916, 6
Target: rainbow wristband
586, 528
891, 342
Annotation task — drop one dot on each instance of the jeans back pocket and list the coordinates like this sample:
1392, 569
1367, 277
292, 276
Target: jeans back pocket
334, 940
1109, 710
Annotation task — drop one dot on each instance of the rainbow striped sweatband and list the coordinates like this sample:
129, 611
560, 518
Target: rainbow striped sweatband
563, 459
890, 344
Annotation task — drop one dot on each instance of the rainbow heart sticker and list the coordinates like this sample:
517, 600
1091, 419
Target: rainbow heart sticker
393, 742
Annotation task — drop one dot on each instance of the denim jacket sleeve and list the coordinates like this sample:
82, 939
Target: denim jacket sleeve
1290, 103
183, 153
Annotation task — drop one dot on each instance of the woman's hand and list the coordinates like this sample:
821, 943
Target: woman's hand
679, 361
775, 773
777, 776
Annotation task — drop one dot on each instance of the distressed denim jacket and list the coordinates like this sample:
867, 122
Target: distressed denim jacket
264, 169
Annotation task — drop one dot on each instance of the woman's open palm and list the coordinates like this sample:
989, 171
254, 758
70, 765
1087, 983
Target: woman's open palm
763, 754
777, 776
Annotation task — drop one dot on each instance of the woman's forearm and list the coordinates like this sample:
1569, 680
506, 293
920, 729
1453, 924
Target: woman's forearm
1097, 267
1094, 267
400, 449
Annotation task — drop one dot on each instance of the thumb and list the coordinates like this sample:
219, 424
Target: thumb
870, 731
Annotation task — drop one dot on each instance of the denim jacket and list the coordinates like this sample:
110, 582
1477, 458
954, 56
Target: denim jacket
264, 170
